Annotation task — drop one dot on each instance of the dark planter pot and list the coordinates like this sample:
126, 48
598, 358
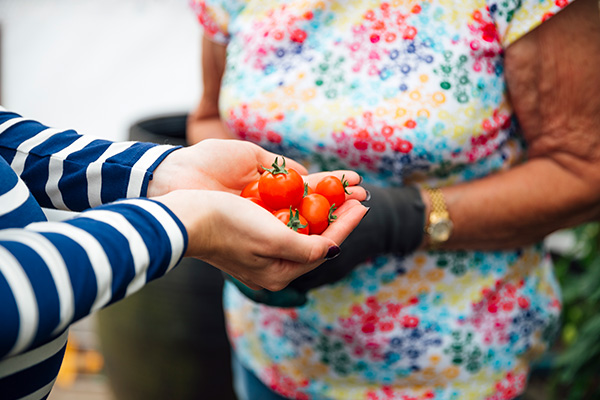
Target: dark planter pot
168, 341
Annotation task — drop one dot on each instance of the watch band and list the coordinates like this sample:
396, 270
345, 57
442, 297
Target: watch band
439, 226
438, 203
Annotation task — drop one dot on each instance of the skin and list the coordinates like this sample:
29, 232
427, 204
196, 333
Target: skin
204, 122
554, 86
233, 233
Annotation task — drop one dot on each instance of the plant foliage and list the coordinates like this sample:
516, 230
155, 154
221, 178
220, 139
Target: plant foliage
576, 367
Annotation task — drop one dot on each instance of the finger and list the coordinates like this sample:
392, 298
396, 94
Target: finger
290, 163
350, 176
305, 249
357, 193
266, 158
353, 191
349, 216
299, 248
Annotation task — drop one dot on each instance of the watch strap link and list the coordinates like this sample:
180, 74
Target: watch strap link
438, 203
439, 225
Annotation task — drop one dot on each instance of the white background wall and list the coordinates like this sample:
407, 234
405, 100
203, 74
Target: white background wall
98, 65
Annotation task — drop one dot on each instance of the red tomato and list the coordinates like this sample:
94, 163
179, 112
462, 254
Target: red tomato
261, 203
333, 189
308, 190
280, 187
315, 208
294, 220
251, 190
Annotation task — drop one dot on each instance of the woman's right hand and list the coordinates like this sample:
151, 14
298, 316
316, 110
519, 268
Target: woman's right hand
249, 243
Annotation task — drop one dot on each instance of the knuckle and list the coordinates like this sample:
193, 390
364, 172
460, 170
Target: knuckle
315, 253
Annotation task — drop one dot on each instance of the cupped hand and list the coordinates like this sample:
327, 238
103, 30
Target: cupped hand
213, 164
229, 165
249, 243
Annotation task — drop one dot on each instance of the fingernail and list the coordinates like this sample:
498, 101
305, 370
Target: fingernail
360, 179
368, 195
333, 252
368, 209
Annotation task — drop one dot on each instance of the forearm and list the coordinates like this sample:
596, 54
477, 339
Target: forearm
69, 171
54, 273
553, 83
520, 206
201, 127
204, 122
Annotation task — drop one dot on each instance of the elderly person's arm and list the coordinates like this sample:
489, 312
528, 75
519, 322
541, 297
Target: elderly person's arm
553, 80
204, 121
553, 77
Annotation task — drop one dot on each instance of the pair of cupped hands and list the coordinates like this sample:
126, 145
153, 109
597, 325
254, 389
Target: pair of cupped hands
201, 184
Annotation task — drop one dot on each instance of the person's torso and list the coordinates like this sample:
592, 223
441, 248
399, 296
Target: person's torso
402, 92
399, 91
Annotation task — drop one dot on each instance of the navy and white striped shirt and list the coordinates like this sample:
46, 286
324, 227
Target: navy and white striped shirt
54, 273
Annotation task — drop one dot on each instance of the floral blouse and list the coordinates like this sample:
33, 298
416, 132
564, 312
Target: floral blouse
401, 91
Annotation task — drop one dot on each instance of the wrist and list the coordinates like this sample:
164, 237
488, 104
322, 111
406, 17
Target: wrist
162, 176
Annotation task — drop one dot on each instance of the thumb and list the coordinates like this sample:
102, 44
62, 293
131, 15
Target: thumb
305, 249
349, 216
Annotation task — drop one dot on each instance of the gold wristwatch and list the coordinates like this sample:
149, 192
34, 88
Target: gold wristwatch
439, 226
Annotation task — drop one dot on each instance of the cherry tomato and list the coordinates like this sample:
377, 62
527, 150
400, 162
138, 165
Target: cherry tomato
280, 187
251, 190
260, 202
315, 208
293, 220
333, 189
308, 190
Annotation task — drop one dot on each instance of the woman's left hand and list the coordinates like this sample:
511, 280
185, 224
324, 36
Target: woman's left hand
213, 164
228, 166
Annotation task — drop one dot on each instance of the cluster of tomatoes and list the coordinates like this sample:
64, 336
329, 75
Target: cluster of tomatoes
304, 209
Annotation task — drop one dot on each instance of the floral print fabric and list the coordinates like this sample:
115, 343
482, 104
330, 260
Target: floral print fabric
402, 92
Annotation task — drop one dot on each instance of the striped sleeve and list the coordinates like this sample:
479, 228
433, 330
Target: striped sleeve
54, 273
69, 171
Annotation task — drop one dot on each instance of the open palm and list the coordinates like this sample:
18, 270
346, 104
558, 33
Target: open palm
224, 165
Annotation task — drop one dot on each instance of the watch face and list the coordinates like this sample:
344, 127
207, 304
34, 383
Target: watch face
440, 230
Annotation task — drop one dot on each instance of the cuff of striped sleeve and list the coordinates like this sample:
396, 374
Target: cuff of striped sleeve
143, 169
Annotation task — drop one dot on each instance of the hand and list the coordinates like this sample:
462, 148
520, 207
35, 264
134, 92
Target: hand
394, 225
213, 164
227, 165
249, 243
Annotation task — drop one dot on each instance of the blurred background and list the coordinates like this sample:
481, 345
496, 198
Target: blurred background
101, 66
97, 66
